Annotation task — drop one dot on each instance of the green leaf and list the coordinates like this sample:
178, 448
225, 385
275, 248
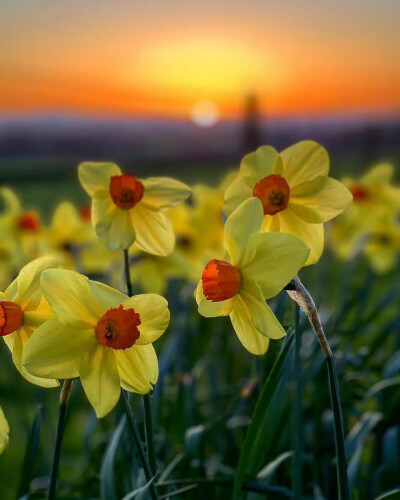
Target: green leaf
139, 491
31, 453
355, 443
107, 485
253, 444
390, 495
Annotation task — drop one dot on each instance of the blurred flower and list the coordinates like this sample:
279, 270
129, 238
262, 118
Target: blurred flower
382, 246
71, 234
99, 335
4, 431
258, 266
22, 310
296, 193
126, 210
375, 208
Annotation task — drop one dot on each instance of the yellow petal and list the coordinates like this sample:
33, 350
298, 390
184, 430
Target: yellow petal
25, 289
245, 221
312, 235
249, 336
113, 225
138, 368
304, 161
164, 192
271, 223
259, 164
95, 177
4, 431
17, 342
55, 350
154, 232
278, 258
70, 297
326, 203
210, 309
235, 195
261, 315
100, 379
154, 316
106, 296
379, 174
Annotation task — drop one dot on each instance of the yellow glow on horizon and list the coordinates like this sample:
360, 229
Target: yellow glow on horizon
206, 68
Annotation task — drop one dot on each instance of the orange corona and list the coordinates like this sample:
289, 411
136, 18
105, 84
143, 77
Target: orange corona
274, 192
10, 317
118, 328
126, 190
359, 193
29, 221
220, 280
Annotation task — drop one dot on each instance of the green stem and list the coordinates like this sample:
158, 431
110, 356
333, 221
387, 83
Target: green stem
64, 396
146, 398
128, 273
148, 414
298, 441
136, 436
298, 292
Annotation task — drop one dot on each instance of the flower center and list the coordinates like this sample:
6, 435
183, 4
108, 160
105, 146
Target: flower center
126, 190
10, 317
29, 221
273, 191
359, 193
118, 328
220, 280
85, 213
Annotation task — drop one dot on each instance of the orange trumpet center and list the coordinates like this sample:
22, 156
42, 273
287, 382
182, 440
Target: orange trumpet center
29, 221
85, 213
10, 317
118, 328
359, 193
126, 190
274, 192
220, 280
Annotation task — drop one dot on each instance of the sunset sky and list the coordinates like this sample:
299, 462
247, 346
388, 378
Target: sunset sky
163, 57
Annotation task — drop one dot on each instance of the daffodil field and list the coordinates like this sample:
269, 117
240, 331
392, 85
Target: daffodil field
238, 340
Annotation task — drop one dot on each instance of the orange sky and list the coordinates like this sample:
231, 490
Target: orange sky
161, 57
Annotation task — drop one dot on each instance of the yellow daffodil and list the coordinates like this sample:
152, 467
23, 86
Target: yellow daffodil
296, 193
22, 310
374, 199
4, 431
382, 246
71, 234
258, 266
126, 210
99, 335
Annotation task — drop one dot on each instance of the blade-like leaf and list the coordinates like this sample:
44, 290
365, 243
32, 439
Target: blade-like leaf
107, 468
253, 445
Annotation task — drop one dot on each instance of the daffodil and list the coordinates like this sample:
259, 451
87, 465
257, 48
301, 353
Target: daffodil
257, 267
99, 335
376, 203
71, 234
296, 193
22, 310
382, 246
4, 431
126, 210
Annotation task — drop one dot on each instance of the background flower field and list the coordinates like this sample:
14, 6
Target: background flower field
186, 92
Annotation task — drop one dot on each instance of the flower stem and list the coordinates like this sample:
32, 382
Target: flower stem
64, 396
136, 436
298, 441
128, 273
148, 414
298, 292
